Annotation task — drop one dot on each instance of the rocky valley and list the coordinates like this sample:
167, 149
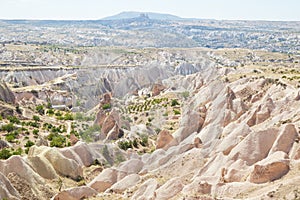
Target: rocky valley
118, 121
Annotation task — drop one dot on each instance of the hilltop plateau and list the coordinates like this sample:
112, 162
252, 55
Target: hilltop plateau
133, 14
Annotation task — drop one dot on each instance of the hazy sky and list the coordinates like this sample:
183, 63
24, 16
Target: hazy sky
97, 9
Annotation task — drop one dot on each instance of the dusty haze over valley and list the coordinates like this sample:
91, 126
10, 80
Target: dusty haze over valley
147, 106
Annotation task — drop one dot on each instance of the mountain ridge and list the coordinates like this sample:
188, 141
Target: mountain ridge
135, 14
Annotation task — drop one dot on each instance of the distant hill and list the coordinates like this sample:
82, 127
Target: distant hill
128, 15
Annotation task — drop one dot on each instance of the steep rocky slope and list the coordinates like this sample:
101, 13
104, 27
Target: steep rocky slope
235, 140
99, 70
230, 131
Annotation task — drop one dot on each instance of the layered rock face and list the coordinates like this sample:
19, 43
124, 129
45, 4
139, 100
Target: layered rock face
79, 84
8, 97
121, 75
6, 94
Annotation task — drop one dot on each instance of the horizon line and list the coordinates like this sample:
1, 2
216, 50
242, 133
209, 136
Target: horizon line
148, 12
182, 19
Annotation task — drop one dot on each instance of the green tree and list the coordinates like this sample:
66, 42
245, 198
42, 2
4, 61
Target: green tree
19, 151
18, 110
125, 144
8, 127
36, 118
58, 141
50, 112
13, 119
106, 106
176, 112
174, 102
40, 109
5, 153
35, 132
10, 138
29, 143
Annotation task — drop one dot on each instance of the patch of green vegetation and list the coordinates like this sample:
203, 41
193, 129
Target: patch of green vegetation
74, 132
33, 124
49, 105
87, 135
81, 183
13, 119
19, 151
18, 110
176, 112
78, 103
36, 118
58, 141
150, 119
58, 114
106, 106
50, 112
174, 102
80, 117
54, 129
135, 143
185, 94
8, 127
146, 106
29, 143
10, 137
144, 140
125, 144
5, 153
40, 109
27, 150
157, 130
66, 116
35, 131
